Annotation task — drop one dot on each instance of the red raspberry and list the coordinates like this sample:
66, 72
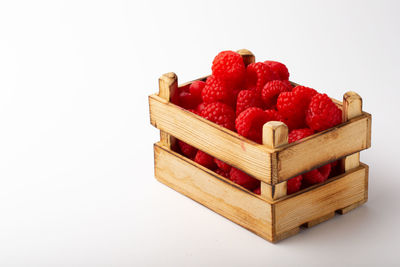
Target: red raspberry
196, 87
299, 134
279, 69
222, 173
222, 165
322, 113
257, 190
250, 122
317, 175
294, 184
271, 91
200, 108
242, 179
187, 149
247, 99
257, 75
306, 93
205, 160
216, 90
293, 106
220, 114
229, 67
188, 101
335, 168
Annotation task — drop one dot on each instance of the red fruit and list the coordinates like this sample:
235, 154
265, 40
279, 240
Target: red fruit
317, 175
279, 69
196, 87
187, 149
223, 173
322, 113
220, 114
242, 179
222, 165
257, 75
250, 122
200, 108
229, 67
247, 99
188, 101
205, 160
215, 90
298, 134
257, 190
271, 91
306, 93
290, 106
294, 184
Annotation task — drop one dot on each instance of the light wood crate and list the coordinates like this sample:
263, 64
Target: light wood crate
273, 215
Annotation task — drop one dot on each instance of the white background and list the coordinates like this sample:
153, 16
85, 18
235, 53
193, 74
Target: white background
76, 161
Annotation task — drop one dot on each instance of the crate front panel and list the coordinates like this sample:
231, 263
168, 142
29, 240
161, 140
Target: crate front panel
215, 140
205, 187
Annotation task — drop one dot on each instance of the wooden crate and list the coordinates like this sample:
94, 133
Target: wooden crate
273, 215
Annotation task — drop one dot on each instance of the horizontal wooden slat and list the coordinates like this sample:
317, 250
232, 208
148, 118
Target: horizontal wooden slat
226, 145
203, 186
327, 146
308, 206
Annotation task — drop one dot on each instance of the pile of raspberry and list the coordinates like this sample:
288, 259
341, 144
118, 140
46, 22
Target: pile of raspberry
243, 98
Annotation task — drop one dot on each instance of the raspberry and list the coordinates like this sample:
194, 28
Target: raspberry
317, 175
257, 75
222, 173
271, 91
220, 114
222, 165
294, 184
200, 108
293, 106
205, 160
188, 101
247, 99
229, 67
242, 179
299, 134
306, 93
250, 122
279, 69
257, 190
196, 87
215, 90
187, 149
322, 113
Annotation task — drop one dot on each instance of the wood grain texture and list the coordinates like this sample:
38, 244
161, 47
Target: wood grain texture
309, 206
167, 87
247, 55
321, 148
226, 145
352, 108
221, 196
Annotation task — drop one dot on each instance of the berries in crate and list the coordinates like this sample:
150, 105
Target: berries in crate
264, 152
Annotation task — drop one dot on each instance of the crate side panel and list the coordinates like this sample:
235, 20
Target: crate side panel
342, 192
324, 147
231, 202
217, 141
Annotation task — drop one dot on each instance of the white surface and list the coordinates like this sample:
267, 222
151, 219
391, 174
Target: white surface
76, 160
